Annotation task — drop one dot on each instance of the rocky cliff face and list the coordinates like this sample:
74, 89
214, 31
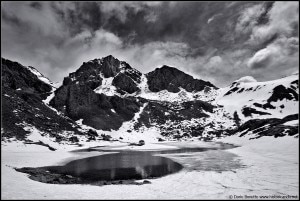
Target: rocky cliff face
23, 108
79, 101
124, 84
17, 77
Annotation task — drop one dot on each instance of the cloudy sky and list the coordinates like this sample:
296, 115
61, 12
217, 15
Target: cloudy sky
215, 41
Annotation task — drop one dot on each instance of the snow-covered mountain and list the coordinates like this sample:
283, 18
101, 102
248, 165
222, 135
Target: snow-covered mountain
107, 92
259, 100
108, 97
262, 108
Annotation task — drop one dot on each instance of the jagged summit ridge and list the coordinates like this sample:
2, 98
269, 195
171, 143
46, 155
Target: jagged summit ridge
108, 66
111, 76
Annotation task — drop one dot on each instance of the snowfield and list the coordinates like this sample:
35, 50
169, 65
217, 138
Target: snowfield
270, 168
257, 92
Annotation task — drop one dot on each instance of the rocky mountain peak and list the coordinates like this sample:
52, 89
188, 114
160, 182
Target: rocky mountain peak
107, 66
105, 72
172, 79
166, 67
109, 57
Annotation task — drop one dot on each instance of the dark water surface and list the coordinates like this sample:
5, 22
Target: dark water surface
119, 166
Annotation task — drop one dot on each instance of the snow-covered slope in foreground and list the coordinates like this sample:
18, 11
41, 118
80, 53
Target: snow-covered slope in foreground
271, 169
252, 99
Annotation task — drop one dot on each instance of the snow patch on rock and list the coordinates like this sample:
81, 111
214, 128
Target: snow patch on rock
246, 79
106, 88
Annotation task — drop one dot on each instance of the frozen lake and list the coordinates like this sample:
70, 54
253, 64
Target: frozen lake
127, 164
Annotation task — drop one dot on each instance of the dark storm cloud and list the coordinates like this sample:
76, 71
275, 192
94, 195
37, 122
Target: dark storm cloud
182, 22
36, 5
218, 41
79, 16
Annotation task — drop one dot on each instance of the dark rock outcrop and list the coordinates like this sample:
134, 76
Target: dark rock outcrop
248, 111
108, 66
124, 84
127, 80
280, 92
231, 91
266, 127
17, 76
171, 79
270, 127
